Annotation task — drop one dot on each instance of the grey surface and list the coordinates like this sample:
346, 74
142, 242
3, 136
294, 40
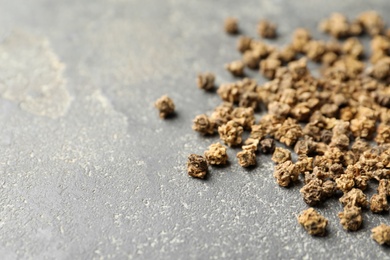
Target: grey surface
89, 171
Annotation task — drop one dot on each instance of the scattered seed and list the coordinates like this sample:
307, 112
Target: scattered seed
165, 106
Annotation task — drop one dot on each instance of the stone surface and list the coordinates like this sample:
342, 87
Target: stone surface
88, 170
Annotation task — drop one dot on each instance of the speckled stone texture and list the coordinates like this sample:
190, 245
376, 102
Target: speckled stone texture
89, 170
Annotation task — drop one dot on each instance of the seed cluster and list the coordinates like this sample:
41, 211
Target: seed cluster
338, 124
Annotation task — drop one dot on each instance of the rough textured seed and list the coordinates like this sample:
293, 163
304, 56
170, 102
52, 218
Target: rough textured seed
231, 133
231, 25
300, 38
244, 43
269, 66
384, 187
246, 158
206, 81
353, 47
354, 197
266, 29
383, 134
236, 68
314, 223
267, 145
345, 182
381, 234
315, 50
336, 25
230, 93
203, 124
378, 203
351, 218
372, 22
281, 155
216, 154
197, 166
285, 173
244, 117
328, 188
222, 114
165, 106
289, 132
251, 59
312, 192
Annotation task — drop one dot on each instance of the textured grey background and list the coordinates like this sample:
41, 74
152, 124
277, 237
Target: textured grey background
89, 171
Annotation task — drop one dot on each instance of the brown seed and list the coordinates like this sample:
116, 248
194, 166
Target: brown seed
267, 145
222, 114
203, 125
381, 234
360, 146
353, 47
236, 68
314, 223
251, 144
231, 133
246, 158
289, 132
328, 188
384, 187
298, 68
354, 197
315, 50
266, 29
378, 203
287, 54
285, 173
251, 59
300, 38
229, 92
351, 218
345, 182
336, 25
216, 154
381, 69
372, 22
269, 66
231, 25
258, 131
328, 58
249, 99
197, 166
206, 81
312, 192
244, 116
165, 106
304, 164
340, 141
244, 44
380, 43
305, 146
281, 155
278, 109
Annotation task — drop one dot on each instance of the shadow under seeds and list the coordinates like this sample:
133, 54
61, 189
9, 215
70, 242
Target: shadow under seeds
172, 116
211, 91
250, 168
221, 166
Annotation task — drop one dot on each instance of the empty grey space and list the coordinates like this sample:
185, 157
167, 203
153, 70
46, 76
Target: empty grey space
89, 171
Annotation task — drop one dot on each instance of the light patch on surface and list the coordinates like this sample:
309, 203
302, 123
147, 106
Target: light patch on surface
32, 75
